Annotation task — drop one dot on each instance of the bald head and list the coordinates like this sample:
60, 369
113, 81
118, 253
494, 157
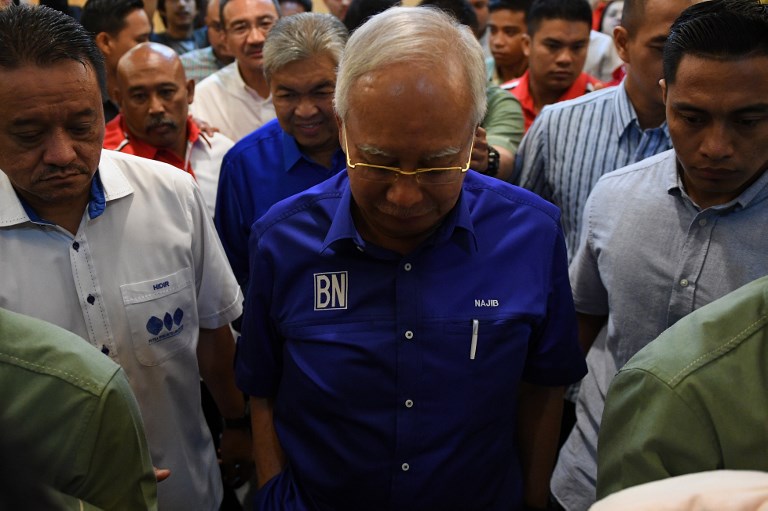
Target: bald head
154, 96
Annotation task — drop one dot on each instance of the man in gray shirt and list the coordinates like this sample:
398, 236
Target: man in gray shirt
665, 236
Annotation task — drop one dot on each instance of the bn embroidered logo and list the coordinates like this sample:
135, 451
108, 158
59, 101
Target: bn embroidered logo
331, 290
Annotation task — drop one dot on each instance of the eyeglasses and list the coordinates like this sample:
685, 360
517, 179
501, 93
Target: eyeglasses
241, 28
425, 176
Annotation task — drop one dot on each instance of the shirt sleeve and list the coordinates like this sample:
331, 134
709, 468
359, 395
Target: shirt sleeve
258, 363
649, 432
555, 357
503, 123
120, 473
589, 293
219, 300
531, 160
230, 220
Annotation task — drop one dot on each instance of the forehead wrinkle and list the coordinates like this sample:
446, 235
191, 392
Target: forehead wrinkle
441, 153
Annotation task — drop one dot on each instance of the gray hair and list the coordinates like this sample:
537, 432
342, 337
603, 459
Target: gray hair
302, 36
413, 35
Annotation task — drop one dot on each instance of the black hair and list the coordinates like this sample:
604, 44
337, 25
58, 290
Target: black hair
461, 10
569, 10
107, 15
717, 29
510, 5
41, 36
306, 4
360, 10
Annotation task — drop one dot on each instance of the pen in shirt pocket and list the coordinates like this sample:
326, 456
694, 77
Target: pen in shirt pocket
473, 344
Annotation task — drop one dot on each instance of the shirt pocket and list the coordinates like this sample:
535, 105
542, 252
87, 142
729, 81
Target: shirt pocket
162, 316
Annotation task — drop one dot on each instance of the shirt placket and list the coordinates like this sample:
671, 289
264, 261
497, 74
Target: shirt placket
90, 297
693, 257
405, 470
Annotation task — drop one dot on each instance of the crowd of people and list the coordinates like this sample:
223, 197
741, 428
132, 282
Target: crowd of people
466, 255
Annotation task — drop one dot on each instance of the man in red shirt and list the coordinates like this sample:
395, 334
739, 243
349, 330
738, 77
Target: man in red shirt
556, 46
154, 97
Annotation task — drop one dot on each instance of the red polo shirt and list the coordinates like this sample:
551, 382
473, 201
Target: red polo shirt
118, 138
520, 88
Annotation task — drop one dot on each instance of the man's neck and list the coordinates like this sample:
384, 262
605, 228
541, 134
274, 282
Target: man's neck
650, 113
323, 156
542, 96
255, 80
507, 73
181, 33
67, 216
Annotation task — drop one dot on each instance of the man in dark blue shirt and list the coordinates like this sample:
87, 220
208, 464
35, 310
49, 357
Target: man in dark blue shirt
409, 323
297, 150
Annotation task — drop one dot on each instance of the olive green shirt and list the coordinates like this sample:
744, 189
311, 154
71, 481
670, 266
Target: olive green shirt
695, 399
503, 122
69, 409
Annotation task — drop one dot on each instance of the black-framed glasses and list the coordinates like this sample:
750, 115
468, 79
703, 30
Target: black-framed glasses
425, 175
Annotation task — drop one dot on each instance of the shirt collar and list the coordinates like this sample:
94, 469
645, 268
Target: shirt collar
457, 221
292, 154
756, 192
626, 116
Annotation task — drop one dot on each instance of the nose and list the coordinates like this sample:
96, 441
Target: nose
717, 142
306, 108
155, 104
565, 57
59, 149
255, 36
405, 192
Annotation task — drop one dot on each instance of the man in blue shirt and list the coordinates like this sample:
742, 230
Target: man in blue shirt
409, 324
297, 150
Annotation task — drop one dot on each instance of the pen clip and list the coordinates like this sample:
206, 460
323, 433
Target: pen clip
473, 344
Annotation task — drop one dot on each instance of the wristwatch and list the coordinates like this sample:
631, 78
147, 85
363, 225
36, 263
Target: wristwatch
493, 162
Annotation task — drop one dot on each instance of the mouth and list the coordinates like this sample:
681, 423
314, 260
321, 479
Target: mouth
713, 173
309, 129
561, 75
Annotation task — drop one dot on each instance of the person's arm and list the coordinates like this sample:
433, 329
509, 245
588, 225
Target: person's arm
216, 355
589, 328
649, 432
267, 452
504, 126
120, 472
539, 415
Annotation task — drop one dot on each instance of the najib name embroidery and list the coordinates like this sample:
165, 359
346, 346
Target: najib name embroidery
486, 303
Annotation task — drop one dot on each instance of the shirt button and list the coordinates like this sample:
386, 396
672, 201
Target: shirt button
409, 335
406, 467
91, 299
684, 282
76, 246
703, 222
408, 403
407, 266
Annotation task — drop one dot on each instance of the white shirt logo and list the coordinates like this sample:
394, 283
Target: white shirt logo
331, 290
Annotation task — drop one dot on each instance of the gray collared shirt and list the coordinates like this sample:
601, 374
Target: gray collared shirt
649, 256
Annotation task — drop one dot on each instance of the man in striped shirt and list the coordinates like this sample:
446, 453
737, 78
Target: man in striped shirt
571, 144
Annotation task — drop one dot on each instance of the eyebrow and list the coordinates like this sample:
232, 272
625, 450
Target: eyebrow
375, 151
756, 108
27, 121
321, 85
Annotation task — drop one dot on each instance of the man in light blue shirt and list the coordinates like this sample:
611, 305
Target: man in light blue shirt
572, 143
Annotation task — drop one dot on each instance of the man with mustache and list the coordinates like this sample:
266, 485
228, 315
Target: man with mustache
154, 97
118, 249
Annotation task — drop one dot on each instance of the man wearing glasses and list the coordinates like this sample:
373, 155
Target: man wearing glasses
409, 323
236, 99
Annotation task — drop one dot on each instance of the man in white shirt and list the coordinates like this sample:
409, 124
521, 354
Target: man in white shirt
117, 249
154, 97
236, 99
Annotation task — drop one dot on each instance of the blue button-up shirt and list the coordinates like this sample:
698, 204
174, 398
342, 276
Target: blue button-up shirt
396, 378
260, 170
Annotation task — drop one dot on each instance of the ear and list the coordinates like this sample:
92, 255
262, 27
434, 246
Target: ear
190, 91
103, 41
663, 84
339, 127
117, 97
621, 41
527, 42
